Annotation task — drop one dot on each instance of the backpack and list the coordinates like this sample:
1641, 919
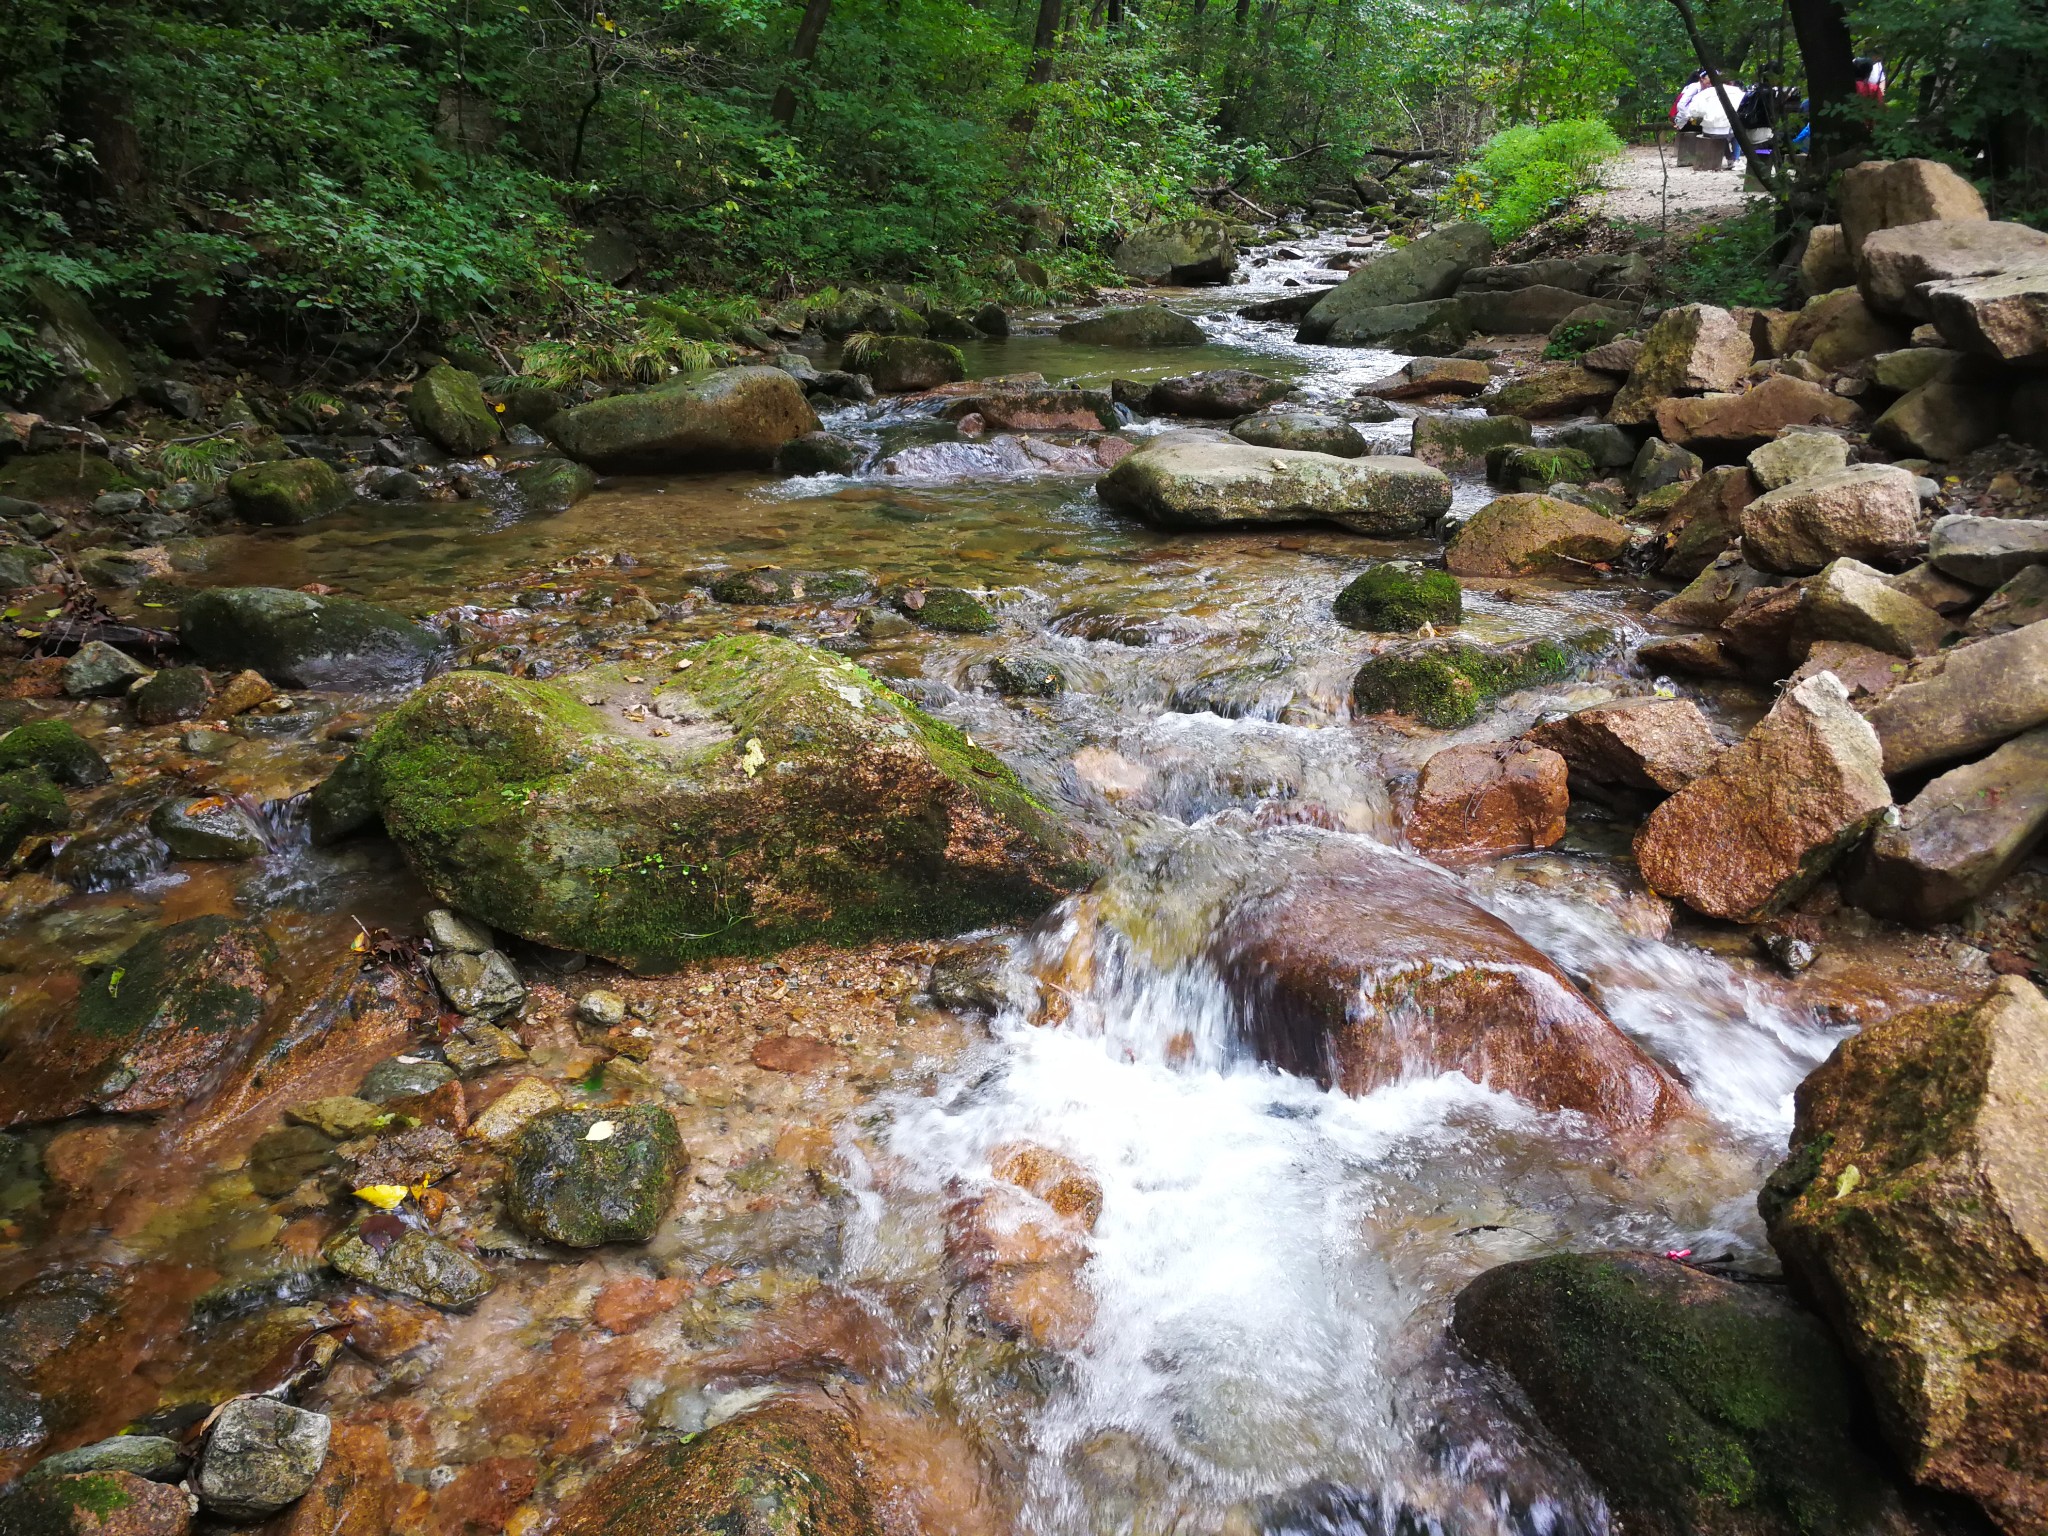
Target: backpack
1756, 110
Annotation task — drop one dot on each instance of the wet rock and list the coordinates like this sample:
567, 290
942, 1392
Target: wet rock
1325, 963
2020, 602
1850, 601
98, 671
208, 827
282, 1160
1798, 456
1445, 683
1028, 404
586, 1177
1184, 252
1461, 443
1533, 536
1713, 594
1691, 349
1223, 393
1486, 799
1839, 331
402, 1079
1696, 1404
1883, 194
1400, 596
1987, 551
1755, 831
261, 1456
342, 804
1025, 677
175, 693
901, 363
478, 985
1433, 329
971, 977
1150, 325
1730, 425
1302, 431
340, 1116
950, 610
477, 1046
926, 832
1425, 269
733, 416
553, 485
55, 748
601, 1009
820, 453
303, 641
240, 694
1424, 377
1542, 394
357, 1491
1660, 464
381, 1251
771, 584
111, 1503
1870, 512
789, 1467
1908, 1210
1898, 264
1185, 481
2003, 316
1959, 837
1521, 467
286, 492
505, 1117
1605, 447
1943, 420
155, 1458
1703, 521
29, 804
448, 405
1691, 656
1631, 748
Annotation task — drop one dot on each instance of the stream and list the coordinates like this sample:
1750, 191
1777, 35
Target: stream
1261, 1347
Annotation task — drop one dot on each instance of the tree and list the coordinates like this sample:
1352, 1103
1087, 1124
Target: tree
802, 51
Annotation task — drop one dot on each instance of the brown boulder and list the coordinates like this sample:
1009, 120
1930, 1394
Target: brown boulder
1754, 832
1868, 512
1691, 656
1838, 330
1896, 262
1529, 535
2003, 316
1825, 264
1705, 521
96, 1504
1943, 419
1759, 628
1882, 194
356, 1491
1913, 1210
1633, 746
1561, 390
1713, 594
1690, 350
1483, 799
1036, 408
1959, 702
1427, 376
1360, 967
1728, 426
1618, 356
1850, 601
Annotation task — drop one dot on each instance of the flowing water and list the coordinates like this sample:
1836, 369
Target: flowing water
1272, 1264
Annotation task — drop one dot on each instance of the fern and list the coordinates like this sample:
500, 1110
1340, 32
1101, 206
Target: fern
204, 461
628, 354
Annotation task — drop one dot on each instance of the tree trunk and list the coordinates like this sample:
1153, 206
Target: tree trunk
1824, 48
805, 48
1699, 49
1043, 42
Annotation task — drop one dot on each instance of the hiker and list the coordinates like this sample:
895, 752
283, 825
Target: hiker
1691, 89
1870, 78
1705, 115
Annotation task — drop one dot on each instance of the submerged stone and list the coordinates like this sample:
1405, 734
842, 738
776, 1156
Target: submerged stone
208, 827
286, 492
583, 1177
1150, 325
303, 641
948, 609
1445, 683
408, 1262
175, 693
261, 1456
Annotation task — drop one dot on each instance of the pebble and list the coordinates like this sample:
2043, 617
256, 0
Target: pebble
603, 1009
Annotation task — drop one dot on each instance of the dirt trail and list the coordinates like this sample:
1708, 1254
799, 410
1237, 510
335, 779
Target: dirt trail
1648, 183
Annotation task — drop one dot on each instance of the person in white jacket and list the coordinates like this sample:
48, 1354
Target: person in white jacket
1706, 115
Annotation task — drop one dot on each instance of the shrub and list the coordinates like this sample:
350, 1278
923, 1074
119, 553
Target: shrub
1523, 175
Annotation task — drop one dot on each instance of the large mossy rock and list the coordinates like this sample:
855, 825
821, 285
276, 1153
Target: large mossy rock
1526, 535
1185, 251
1190, 480
448, 405
153, 1028
898, 363
582, 1177
1400, 596
56, 748
93, 372
787, 1468
803, 800
1422, 270
287, 492
734, 417
1445, 683
29, 803
303, 641
1913, 1209
1699, 1406
1149, 325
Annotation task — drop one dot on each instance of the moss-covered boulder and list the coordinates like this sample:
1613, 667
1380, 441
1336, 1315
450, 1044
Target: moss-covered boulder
1400, 595
787, 1468
287, 492
1913, 1210
857, 310
1699, 1406
29, 804
1195, 480
553, 485
448, 405
1522, 467
763, 794
1561, 389
733, 417
57, 749
1183, 251
303, 641
175, 693
1149, 325
1445, 683
97, 1503
152, 1028
92, 371
898, 363
582, 1177
770, 584
1534, 536
1303, 431
1026, 677
1462, 443
410, 1263
951, 610
60, 477
1415, 273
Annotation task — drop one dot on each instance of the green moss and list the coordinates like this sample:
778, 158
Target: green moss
904, 362
60, 477
1400, 596
771, 584
448, 405
29, 803
948, 609
57, 749
95, 1493
287, 492
1519, 467
1444, 683
192, 975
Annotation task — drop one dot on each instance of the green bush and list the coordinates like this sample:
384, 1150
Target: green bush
1731, 263
1523, 175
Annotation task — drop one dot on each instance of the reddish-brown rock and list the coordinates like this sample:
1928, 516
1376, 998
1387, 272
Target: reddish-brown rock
1533, 535
1363, 967
1705, 521
1488, 798
1633, 746
1755, 831
1691, 656
355, 1493
97, 1504
1838, 330
1759, 629
1868, 512
1728, 426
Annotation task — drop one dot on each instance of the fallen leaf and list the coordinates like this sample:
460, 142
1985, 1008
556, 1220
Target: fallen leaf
603, 1130
386, 1197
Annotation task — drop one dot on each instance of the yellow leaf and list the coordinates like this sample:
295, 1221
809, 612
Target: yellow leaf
386, 1197
1850, 1181
754, 758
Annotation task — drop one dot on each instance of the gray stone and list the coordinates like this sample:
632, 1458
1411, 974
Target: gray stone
1943, 419
455, 934
1987, 551
1868, 512
261, 1456
2020, 602
1423, 270
1884, 194
1965, 699
482, 985
583, 1177
1439, 326
156, 1457
303, 641
1150, 325
1462, 442
1303, 431
1713, 594
100, 671
1691, 349
1188, 480
400, 1079
1532, 311
208, 827
601, 1009
1850, 601
1898, 262
1184, 251
1959, 837
414, 1263
2004, 315
1797, 456
1660, 464
1608, 447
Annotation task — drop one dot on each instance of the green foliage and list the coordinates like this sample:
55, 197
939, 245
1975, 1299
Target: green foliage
1523, 175
205, 461
604, 339
1731, 263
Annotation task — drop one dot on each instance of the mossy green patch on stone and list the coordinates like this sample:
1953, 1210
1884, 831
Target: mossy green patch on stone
29, 803
448, 405
897, 363
1400, 596
583, 1177
1524, 467
948, 609
286, 492
57, 749
62, 477
771, 584
1445, 683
